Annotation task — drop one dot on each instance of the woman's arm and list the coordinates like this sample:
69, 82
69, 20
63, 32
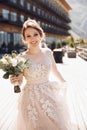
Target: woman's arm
55, 70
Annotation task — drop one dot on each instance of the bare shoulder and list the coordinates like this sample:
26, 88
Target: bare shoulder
47, 50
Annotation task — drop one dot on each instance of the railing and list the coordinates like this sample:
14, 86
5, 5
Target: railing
47, 5
9, 21
83, 53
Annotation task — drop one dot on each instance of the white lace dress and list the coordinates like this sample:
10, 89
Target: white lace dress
42, 103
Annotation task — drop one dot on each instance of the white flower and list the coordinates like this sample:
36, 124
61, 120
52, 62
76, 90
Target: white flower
6, 59
14, 62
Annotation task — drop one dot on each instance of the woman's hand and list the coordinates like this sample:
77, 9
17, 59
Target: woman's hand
14, 79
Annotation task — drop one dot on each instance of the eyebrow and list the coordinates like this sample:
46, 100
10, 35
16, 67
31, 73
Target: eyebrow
33, 34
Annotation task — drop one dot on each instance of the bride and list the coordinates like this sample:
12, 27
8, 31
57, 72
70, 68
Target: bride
42, 103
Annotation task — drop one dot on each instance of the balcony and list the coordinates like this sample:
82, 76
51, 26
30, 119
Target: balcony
16, 5
55, 31
48, 6
36, 14
18, 22
42, 3
50, 21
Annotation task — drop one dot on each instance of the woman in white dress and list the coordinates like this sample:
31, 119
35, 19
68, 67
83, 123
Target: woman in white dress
42, 103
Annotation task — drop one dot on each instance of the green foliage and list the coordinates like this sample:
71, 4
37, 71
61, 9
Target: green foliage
81, 41
71, 42
58, 44
64, 43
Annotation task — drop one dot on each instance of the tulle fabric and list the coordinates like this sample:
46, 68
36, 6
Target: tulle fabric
43, 107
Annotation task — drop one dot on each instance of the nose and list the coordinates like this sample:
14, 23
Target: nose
32, 38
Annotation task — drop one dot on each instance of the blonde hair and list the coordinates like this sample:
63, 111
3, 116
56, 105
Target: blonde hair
32, 24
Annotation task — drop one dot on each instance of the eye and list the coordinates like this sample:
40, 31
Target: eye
35, 34
28, 36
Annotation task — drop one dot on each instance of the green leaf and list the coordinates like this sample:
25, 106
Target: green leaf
6, 76
18, 73
1, 64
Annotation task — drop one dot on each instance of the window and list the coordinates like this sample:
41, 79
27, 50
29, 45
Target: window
14, 1
43, 24
9, 38
22, 18
17, 38
28, 6
43, 13
34, 8
46, 15
39, 22
5, 13
1, 38
38, 11
22, 2
13, 16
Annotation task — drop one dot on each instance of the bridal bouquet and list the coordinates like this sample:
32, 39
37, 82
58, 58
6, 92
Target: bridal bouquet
12, 65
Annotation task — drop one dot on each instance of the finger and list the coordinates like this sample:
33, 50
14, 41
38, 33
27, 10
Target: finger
13, 79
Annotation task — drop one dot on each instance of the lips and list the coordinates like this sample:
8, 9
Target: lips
33, 43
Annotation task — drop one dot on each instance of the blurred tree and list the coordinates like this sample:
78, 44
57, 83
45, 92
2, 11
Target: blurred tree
71, 42
81, 41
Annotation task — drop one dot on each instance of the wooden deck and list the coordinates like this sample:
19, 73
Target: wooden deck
75, 72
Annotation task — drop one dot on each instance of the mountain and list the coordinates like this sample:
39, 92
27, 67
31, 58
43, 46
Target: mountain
78, 16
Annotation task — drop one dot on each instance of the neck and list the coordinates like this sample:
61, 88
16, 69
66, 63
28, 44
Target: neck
34, 50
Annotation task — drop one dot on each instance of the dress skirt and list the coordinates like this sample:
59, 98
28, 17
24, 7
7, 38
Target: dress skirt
43, 106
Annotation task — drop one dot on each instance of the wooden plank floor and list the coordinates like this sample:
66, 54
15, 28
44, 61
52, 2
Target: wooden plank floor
75, 72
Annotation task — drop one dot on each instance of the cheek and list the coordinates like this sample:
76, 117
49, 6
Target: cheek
39, 38
24, 37
27, 39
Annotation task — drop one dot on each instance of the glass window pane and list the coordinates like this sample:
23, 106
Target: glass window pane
5, 13
13, 16
14, 1
22, 2
28, 6
22, 18
1, 38
34, 9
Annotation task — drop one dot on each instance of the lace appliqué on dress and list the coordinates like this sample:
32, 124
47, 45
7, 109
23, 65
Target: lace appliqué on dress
37, 93
32, 114
47, 107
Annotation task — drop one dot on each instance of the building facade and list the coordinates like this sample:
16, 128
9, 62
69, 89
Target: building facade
52, 15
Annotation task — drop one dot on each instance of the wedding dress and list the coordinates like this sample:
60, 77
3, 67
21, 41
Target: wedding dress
42, 103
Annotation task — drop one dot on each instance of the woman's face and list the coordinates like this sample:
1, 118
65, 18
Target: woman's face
32, 37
